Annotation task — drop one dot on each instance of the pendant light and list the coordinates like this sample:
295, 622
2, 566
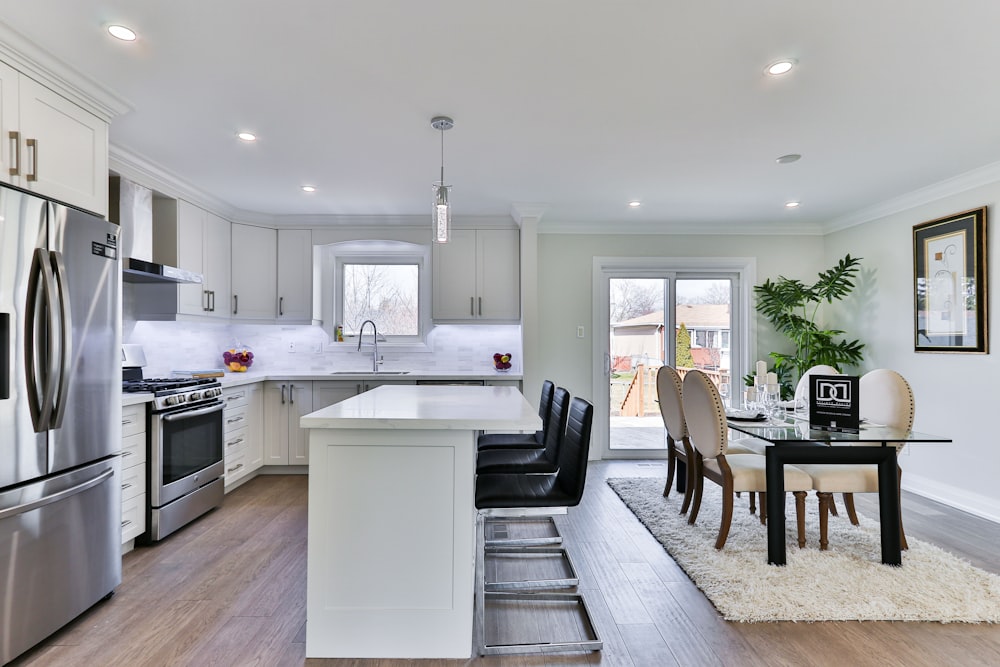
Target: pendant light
442, 207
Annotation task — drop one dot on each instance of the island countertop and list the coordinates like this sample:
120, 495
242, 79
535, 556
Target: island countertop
429, 407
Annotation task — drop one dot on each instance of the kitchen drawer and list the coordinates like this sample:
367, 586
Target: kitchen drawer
133, 482
236, 396
236, 442
236, 467
133, 517
133, 419
235, 417
133, 450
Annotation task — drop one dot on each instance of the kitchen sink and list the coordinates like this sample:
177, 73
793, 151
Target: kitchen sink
369, 372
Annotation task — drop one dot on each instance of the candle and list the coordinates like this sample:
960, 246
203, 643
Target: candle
751, 395
772, 378
762, 368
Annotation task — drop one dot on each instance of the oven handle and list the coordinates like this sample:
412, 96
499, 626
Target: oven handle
176, 416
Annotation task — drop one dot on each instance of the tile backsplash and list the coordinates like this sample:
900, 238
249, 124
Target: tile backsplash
279, 348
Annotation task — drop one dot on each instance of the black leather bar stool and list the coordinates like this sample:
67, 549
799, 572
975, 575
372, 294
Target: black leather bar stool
534, 440
540, 460
501, 493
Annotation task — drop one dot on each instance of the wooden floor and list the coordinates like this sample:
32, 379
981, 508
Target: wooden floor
230, 590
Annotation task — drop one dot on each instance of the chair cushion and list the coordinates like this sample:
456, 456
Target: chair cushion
745, 445
505, 491
854, 478
748, 474
514, 461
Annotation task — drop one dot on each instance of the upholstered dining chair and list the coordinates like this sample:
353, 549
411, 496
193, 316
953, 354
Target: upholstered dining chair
668, 395
706, 423
885, 398
802, 388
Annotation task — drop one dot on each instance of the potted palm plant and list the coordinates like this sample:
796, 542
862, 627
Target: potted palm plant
791, 307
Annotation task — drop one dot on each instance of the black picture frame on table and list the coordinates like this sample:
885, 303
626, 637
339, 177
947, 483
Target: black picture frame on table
949, 284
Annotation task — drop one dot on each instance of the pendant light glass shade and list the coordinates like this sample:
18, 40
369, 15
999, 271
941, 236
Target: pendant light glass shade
441, 216
442, 213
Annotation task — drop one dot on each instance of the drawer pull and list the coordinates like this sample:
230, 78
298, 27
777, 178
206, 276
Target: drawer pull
126, 421
127, 452
234, 442
126, 485
126, 522
236, 397
235, 420
234, 468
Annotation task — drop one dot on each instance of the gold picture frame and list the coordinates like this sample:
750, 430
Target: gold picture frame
949, 284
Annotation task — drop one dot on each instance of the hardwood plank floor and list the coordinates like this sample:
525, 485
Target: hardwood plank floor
230, 590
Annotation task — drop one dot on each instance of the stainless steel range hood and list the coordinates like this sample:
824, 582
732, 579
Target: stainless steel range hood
132, 208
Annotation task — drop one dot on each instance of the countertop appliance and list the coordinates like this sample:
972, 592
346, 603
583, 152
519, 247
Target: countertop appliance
60, 416
185, 444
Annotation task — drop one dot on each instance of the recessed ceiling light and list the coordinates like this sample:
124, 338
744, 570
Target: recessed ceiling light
308, 188
788, 159
122, 33
780, 67
791, 204
247, 136
635, 204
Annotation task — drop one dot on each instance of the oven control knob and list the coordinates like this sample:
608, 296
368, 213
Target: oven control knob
170, 400
195, 395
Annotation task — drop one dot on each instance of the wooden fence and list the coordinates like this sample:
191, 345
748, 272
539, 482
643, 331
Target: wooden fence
637, 398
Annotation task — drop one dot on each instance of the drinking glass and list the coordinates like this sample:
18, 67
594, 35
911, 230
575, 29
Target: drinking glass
724, 393
772, 398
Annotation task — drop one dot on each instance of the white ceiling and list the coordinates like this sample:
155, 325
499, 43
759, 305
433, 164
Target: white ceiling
575, 105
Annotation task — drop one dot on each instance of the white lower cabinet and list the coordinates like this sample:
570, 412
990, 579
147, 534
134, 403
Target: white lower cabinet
133, 473
285, 442
242, 432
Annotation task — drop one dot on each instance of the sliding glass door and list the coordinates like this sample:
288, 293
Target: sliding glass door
688, 319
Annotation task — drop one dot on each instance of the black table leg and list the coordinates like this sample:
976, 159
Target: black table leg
888, 508
681, 475
775, 479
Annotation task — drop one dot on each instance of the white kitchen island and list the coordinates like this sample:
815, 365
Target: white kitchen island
392, 518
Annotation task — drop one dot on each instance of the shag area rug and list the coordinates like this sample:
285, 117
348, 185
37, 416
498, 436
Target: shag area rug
847, 582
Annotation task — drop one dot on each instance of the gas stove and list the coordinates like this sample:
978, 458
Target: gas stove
174, 392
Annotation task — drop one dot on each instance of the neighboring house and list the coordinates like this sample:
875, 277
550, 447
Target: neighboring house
640, 339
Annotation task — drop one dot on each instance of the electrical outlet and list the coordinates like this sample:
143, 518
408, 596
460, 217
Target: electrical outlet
579, 332
291, 346
318, 348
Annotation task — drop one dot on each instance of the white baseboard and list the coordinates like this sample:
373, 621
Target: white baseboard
973, 503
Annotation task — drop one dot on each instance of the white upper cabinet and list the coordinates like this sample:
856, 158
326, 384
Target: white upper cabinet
50, 145
254, 259
294, 275
477, 276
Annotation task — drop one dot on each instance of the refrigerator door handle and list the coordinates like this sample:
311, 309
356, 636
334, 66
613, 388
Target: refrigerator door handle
65, 340
56, 497
40, 407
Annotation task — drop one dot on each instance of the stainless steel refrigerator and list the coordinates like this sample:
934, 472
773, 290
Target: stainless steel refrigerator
60, 416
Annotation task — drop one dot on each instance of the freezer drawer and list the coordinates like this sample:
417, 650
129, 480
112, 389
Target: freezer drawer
60, 552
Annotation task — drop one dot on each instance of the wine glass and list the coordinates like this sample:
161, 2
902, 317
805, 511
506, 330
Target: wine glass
772, 397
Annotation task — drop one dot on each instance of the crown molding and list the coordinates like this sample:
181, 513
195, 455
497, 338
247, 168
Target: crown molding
952, 186
141, 170
519, 211
686, 228
36, 63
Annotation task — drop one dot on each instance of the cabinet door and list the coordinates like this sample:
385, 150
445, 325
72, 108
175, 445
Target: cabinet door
191, 299
326, 394
254, 262
294, 275
217, 241
69, 157
454, 275
300, 403
255, 427
498, 253
8, 120
276, 423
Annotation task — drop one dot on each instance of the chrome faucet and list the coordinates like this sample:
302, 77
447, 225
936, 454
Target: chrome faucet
375, 358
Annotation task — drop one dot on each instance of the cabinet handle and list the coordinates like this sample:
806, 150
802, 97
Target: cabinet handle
480, 306
212, 292
126, 421
472, 306
282, 394
126, 486
234, 468
235, 397
235, 420
126, 522
15, 138
234, 442
204, 300
127, 452
291, 394
281, 306
33, 145
236, 304
358, 388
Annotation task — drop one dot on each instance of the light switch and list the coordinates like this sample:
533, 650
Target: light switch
579, 332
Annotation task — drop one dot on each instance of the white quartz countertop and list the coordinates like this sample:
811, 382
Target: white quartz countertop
133, 399
430, 407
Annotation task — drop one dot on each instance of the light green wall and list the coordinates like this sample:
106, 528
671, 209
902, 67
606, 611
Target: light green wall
955, 394
565, 292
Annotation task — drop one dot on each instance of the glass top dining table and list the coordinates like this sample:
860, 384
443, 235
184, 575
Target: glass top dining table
795, 442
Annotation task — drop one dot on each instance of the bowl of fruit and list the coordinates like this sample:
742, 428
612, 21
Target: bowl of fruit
501, 362
238, 359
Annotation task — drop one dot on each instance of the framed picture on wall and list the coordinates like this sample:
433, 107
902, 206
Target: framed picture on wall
949, 297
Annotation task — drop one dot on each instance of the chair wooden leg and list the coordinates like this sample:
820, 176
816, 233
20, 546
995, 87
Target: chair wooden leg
849, 504
753, 503
833, 506
763, 507
727, 514
824, 518
800, 516
699, 485
671, 465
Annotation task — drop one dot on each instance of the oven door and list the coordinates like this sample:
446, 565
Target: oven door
185, 451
